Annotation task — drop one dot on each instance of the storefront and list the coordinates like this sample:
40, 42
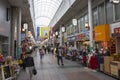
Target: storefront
71, 41
102, 36
115, 37
82, 40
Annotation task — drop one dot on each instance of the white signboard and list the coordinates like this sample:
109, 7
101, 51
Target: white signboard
113, 26
115, 1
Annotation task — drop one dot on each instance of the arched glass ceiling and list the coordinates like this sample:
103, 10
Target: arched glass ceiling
45, 11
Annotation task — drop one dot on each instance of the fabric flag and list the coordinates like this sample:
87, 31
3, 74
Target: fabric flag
38, 33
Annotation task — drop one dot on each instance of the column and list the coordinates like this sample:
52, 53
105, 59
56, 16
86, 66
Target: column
15, 30
90, 23
18, 51
12, 35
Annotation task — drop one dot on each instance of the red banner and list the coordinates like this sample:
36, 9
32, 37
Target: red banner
51, 31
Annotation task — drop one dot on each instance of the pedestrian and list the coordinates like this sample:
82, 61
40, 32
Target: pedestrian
45, 49
29, 65
59, 55
84, 58
41, 53
22, 57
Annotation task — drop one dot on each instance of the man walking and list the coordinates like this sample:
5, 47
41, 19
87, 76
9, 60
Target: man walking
59, 55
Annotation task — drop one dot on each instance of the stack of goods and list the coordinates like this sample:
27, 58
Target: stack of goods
107, 60
114, 67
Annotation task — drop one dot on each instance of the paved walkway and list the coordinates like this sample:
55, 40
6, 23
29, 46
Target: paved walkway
49, 70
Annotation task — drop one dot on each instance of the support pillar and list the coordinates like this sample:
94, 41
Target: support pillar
15, 30
18, 51
90, 23
12, 35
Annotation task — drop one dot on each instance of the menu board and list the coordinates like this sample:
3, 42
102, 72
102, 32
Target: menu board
6, 72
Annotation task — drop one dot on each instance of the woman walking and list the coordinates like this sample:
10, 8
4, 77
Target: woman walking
41, 54
29, 65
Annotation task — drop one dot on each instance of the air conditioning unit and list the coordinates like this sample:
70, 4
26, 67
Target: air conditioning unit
115, 1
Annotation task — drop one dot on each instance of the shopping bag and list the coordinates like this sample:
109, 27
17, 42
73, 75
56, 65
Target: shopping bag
34, 71
20, 61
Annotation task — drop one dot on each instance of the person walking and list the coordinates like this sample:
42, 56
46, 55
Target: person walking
59, 55
29, 65
41, 54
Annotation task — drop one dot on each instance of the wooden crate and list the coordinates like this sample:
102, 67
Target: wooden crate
107, 60
114, 67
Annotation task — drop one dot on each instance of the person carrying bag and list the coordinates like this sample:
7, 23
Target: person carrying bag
29, 66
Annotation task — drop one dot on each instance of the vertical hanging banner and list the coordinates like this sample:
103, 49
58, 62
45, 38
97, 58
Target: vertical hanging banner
23, 36
51, 31
45, 32
38, 33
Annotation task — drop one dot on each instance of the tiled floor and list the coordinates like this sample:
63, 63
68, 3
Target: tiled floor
49, 70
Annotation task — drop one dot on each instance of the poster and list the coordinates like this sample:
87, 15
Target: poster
44, 32
6, 72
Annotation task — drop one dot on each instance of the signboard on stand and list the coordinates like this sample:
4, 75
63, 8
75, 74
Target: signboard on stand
6, 72
0, 73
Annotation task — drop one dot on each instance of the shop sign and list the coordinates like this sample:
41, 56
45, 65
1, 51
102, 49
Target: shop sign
72, 38
87, 34
102, 33
115, 1
79, 37
83, 36
117, 30
113, 26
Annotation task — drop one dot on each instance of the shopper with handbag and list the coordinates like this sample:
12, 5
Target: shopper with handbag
29, 65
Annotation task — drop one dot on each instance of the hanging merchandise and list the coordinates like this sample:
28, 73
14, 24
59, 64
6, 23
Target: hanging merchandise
93, 62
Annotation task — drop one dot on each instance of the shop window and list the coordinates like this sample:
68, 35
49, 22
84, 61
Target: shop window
7, 14
67, 31
71, 29
109, 12
101, 13
117, 11
82, 23
95, 17
77, 29
4, 45
86, 19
